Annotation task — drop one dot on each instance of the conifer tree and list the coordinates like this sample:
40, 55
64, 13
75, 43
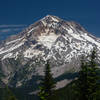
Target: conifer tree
47, 84
81, 84
87, 83
92, 77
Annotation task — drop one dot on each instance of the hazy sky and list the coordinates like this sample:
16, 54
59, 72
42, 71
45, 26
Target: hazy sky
17, 14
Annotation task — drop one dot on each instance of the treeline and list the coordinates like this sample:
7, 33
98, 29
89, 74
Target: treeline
87, 84
85, 87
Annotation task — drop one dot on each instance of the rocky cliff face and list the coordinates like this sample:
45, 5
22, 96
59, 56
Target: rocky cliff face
23, 56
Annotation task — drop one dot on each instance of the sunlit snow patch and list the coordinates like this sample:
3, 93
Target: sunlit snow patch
48, 40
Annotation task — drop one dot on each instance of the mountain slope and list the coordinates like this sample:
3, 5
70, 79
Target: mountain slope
23, 56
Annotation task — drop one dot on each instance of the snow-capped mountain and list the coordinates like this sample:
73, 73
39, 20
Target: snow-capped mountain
22, 56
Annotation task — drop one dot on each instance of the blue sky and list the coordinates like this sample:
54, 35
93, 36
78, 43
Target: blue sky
15, 15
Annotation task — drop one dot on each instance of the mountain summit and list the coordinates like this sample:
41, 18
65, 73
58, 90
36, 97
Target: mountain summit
23, 56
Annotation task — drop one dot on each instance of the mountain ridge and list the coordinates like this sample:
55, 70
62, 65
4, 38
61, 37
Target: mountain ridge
23, 56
